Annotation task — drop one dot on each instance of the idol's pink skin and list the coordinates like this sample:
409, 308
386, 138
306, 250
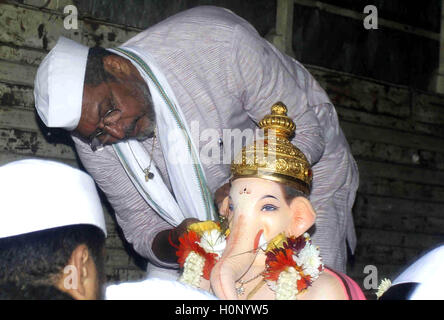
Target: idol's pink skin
248, 220
235, 260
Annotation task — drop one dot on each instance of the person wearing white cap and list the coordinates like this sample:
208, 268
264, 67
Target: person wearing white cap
52, 232
422, 280
134, 111
52, 237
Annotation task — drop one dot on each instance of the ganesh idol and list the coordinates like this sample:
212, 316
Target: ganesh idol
261, 249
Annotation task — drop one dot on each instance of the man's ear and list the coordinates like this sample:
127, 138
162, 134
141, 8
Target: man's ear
77, 273
223, 210
119, 67
303, 216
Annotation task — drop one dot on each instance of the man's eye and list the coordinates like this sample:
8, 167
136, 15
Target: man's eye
269, 207
230, 207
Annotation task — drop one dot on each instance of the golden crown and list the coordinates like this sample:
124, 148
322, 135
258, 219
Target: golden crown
275, 158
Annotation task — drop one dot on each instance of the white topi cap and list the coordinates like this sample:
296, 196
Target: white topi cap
427, 271
58, 85
41, 194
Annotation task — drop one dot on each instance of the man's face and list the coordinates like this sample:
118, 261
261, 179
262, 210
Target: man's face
135, 116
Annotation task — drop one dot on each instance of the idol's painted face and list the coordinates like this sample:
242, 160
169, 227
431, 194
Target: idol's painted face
129, 97
257, 211
262, 203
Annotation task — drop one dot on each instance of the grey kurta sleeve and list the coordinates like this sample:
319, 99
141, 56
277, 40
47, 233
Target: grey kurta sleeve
138, 221
263, 77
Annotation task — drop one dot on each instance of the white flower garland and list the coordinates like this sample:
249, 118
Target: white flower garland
212, 241
309, 260
286, 286
193, 270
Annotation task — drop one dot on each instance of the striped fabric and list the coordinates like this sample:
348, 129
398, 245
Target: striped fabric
225, 76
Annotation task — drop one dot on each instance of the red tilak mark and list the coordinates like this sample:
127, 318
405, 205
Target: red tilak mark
257, 239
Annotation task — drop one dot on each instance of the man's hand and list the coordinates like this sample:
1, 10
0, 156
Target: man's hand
162, 248
177, 232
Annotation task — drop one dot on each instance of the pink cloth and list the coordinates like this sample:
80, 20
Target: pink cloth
351, 288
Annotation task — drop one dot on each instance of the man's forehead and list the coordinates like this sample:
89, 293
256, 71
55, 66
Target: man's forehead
93, 104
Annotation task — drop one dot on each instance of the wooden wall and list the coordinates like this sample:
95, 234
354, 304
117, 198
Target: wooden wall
395, 132
396, 135
26, 35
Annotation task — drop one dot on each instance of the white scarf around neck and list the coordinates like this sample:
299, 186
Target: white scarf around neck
192, 198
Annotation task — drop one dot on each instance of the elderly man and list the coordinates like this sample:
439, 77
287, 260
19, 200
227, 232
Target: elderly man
134, 111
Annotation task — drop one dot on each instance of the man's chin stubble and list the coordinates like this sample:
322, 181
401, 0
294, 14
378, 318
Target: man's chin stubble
143, 137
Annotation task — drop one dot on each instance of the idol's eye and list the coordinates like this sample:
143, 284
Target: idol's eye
269, 207
230, 207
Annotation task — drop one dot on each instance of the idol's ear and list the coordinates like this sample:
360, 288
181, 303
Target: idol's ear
303, 216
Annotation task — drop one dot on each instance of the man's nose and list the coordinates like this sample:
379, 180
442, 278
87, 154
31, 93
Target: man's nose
113, 117
116, 131
112, 126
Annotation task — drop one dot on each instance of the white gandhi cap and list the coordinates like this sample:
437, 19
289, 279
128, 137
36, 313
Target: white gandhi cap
58, 85
41, 194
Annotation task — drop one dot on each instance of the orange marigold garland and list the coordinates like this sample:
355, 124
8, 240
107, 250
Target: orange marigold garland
278, 260
188, 243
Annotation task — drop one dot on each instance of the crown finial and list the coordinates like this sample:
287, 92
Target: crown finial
278, 121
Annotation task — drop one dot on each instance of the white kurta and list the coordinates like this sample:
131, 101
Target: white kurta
155, 289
